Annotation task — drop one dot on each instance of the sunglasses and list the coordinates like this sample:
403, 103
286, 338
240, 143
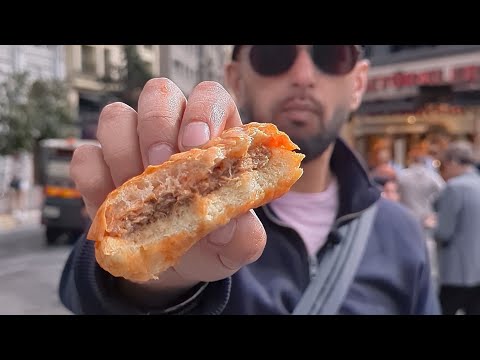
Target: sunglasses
272, 60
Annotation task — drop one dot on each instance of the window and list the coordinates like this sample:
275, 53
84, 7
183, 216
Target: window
88, 60
108, 63
149, 67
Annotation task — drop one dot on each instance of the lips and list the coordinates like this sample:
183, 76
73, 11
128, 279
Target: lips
299, 112
299, 105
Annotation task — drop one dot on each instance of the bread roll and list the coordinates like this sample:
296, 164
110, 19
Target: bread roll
144, 226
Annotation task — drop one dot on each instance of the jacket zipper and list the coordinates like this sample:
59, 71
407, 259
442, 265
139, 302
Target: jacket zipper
313, 260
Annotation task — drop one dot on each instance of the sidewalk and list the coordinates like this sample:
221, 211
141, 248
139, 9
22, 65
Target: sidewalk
7, 222
30, 217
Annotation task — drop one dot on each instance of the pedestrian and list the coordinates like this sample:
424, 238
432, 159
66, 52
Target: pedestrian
278, 258
457, 231
419, 188
388, 186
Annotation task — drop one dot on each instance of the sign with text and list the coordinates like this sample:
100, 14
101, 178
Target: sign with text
400, 80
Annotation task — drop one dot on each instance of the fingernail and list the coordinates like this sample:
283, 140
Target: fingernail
159, 153
223, 235
196, 134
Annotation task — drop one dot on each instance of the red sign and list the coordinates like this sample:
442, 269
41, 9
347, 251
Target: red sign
400, 80
467, 74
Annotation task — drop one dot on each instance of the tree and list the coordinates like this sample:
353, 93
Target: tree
49, 110
15, 126
133, 77
31, 111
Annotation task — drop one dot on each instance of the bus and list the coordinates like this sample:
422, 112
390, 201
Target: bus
63, 212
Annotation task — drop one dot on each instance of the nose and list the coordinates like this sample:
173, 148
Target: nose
303, 69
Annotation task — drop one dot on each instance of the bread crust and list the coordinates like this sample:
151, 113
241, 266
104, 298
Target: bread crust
144, 261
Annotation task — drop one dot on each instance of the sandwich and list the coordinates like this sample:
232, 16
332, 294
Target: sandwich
145, 225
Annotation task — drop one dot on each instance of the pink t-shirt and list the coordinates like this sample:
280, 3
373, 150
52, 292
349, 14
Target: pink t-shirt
311, 214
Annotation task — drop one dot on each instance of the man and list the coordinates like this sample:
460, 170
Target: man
388, 187
308, 91
419, 187
458, 231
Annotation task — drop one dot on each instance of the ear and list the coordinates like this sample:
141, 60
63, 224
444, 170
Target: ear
233, 79
360, 74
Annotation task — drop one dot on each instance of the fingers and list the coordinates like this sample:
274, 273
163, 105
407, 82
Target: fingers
224, 251
210, 110
91, 175
117, 132
160, 109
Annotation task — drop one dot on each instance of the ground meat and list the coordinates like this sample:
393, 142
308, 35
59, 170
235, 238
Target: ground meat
162, 203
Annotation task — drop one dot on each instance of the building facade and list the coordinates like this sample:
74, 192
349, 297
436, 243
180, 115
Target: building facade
187, 65
39, 61
414, 87
92, 71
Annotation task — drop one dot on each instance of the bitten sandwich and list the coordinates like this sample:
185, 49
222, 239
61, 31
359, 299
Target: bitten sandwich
145, 225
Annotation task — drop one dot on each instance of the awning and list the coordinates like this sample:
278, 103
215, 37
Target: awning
388, 107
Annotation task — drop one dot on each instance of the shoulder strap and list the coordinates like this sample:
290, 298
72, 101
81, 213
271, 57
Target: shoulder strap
336, 271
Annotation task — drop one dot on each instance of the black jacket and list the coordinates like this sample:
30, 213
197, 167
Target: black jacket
393, 276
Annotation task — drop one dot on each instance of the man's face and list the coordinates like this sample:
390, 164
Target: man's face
303, 101
390, 191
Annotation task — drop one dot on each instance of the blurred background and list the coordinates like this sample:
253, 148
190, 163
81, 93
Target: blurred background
419, 99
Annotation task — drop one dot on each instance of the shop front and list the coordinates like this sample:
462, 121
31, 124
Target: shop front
404, 102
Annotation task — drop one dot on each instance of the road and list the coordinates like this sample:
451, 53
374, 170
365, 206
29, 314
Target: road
29, 273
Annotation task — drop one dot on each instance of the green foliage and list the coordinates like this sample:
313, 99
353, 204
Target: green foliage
31, 111
134, 75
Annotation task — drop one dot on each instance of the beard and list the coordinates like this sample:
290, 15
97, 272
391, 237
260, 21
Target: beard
315, 145
312, 146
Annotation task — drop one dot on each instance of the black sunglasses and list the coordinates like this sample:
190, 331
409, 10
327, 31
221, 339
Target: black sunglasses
271, 60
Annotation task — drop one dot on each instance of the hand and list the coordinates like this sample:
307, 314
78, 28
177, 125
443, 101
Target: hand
430, 221
166, 124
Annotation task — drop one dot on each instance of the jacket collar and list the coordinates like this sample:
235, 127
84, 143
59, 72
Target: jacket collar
356, 189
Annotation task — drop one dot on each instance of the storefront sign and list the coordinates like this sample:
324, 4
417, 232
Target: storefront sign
400, 80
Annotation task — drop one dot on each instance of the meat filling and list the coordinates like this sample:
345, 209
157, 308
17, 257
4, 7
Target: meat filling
162, 203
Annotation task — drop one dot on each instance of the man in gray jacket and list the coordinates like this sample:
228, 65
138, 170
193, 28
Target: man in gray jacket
458, 231
419, 187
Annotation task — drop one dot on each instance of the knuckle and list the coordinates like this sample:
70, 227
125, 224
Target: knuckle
88, 185
120, 153
81, 159
158, 116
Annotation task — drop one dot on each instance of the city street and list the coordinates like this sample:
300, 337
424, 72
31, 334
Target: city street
29, 273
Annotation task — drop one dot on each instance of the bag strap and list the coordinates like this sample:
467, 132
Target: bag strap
325, 293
